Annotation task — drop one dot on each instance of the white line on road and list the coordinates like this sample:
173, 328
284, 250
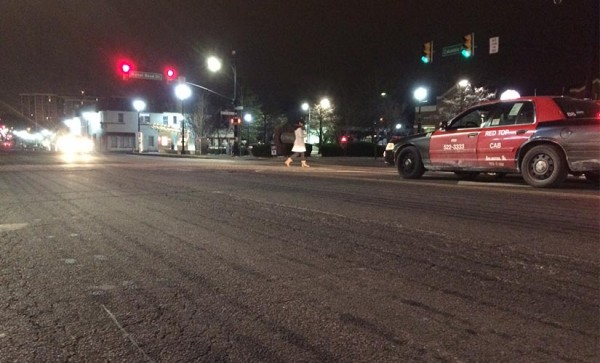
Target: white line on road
12, 227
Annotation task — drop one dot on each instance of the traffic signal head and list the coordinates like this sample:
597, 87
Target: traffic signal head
468, 48
344, 139
235, 121
125, 68
427, 56
170, 74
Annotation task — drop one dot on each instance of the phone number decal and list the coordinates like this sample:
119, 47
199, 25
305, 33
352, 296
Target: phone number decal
454, 147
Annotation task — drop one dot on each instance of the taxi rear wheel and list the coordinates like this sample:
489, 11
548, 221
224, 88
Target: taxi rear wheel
410, 165
544, 166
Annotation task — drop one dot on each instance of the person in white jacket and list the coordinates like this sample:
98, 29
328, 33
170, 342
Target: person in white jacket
299, 149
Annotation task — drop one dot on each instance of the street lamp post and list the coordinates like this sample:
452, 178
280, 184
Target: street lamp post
214, 64
325, 104
420, 95
248, 119
139, 105
183, 92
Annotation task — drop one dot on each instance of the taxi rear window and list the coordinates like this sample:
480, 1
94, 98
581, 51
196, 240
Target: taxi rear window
574, 108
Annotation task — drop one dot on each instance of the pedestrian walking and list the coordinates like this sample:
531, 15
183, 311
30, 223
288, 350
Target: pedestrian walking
299, 149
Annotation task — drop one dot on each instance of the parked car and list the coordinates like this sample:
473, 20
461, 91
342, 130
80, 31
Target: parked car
542, 138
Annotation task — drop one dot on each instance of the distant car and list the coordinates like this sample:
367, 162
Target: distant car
542, 138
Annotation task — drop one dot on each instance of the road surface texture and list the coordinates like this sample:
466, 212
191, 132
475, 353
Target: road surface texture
129, 258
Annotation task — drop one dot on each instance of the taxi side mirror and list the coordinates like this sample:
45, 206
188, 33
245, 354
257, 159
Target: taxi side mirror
443, 125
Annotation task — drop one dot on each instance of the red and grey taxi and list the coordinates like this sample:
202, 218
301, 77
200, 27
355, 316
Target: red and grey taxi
543, 138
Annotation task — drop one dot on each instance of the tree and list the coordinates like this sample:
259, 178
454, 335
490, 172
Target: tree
325, 120
458, 99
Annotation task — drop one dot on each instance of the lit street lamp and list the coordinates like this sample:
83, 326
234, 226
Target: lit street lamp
139, 105
420, 95
325, 104
183, 92
214, 64
248, 119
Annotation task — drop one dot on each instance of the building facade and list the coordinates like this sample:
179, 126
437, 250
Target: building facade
130, 131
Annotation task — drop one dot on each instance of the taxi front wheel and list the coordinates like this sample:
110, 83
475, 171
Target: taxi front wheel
544, 166
410, 165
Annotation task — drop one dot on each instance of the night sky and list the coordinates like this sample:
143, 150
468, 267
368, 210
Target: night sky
291, 51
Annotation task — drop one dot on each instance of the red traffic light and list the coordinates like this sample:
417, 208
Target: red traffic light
170, 73
344, 139
125, 68
235, 121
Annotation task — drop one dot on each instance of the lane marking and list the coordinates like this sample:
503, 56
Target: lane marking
486, 184
12, 227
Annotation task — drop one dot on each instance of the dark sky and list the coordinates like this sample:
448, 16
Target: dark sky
289, 51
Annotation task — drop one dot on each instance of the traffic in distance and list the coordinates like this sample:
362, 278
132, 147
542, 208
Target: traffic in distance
542, 138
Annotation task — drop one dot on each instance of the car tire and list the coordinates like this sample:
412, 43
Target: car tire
410, 165
544, 166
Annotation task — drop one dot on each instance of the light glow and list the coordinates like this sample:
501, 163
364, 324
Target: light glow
420, 94
214, 64
183, 91
509, 94
72, 144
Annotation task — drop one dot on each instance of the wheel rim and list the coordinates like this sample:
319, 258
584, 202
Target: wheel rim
541, 166
408, 163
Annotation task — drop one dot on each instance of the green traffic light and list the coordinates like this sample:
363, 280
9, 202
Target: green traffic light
425, 59
466, 53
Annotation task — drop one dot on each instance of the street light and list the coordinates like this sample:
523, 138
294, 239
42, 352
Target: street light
139, 105
420, 95
183, 92
248, 119
306, 108
215, 64
325, 104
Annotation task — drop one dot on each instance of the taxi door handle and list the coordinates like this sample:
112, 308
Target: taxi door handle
521, 132
473, 134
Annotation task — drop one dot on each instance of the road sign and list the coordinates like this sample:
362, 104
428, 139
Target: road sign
227, 113
146, 75
494, 45
451, 50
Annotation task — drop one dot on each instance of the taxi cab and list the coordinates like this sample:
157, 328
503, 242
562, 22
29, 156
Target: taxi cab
543, 138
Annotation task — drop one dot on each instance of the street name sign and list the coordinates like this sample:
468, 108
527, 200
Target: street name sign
451, 50
146, 75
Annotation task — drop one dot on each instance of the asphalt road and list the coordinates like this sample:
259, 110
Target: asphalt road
126, 258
